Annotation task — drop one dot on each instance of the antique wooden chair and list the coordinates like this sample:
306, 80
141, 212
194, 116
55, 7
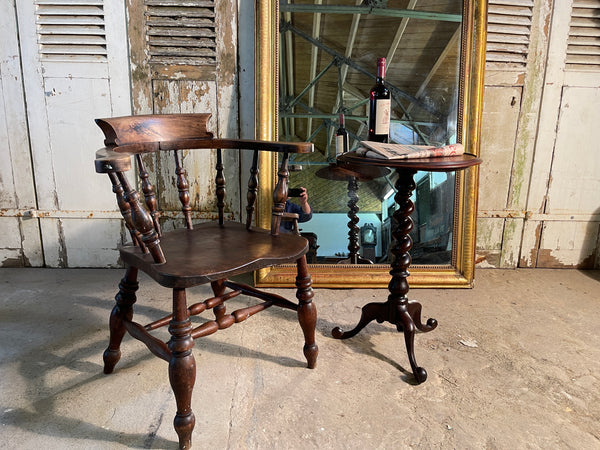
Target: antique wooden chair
209, 252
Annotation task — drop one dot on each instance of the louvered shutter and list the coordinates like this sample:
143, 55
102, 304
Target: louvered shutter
71, 30
508, 34
583, 50
181, 32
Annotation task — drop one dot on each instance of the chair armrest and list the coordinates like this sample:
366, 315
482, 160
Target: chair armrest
291, 217
241, 144
107, 160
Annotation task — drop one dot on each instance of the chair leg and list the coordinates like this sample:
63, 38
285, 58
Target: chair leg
218, 288
307, 312
182, 368
123, 310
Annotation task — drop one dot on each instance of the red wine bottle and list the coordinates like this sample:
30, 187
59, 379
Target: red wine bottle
341, 138
379, 107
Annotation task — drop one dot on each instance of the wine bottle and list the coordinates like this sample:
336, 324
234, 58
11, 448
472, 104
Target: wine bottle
379, 107
341, 138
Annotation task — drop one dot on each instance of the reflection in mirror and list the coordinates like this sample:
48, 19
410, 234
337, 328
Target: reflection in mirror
328, 54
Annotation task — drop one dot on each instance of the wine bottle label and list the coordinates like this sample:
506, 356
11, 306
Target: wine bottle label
382, 116
339, 145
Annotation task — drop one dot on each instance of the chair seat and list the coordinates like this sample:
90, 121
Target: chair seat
211, 252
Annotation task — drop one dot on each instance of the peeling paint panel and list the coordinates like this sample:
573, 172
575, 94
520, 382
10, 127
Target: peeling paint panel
11, 237
568, 244
489, 242
7, 188
500, 116
575, 184
511, 243
92, 243
532, 232
74, 138
20, 242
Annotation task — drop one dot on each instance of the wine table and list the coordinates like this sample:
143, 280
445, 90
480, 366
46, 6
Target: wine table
352, 174
398, 310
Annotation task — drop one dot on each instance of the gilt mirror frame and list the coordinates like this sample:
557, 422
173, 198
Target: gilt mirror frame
458, 274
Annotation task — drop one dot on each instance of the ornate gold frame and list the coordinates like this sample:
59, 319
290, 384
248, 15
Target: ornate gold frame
460, 273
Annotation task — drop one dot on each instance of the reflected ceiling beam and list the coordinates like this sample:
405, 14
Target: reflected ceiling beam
310, 86
348, 52
343, 72
399, 33
452, 43
314, 53
349, 62
372, 10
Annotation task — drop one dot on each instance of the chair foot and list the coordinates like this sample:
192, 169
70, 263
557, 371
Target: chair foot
184, 425
123, 310
311, 352
307, 312
110, 358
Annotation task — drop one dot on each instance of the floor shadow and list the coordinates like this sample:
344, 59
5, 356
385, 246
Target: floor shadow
593, 274
69, 345
361, 343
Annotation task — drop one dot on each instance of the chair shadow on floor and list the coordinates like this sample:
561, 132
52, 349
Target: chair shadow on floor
76, 354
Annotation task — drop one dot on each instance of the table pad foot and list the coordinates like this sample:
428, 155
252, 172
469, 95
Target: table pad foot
406, 315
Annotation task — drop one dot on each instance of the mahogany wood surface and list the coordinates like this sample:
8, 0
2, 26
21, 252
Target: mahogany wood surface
209, 252
212, 252
398, 309
443, 164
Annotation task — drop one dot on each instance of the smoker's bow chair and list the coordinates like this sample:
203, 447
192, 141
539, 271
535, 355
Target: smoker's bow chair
201, 253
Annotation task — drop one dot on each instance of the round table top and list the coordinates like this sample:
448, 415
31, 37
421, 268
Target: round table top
436, 164
341, 172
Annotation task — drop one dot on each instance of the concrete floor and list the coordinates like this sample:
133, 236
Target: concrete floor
514, 363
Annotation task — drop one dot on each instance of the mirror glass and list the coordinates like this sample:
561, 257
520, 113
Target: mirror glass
328, 53
316, 59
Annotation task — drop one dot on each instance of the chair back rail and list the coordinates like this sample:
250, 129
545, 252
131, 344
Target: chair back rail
252, 190
135, 135
183, 188
220, 183
149, 194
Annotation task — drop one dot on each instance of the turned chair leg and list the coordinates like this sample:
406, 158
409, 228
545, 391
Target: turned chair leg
123, 310
182, 368
307, 312
218, 288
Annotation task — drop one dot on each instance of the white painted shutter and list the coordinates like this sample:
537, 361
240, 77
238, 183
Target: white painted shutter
71, 29
583, 50
508, 34
74, 55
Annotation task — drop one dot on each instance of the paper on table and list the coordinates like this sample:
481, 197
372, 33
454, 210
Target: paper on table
382, 150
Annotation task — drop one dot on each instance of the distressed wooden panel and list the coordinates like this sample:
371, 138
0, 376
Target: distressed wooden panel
20, 242
511, 242
64, 93
575, 184
178, 80
489, 241
11, 251
568, 244
181, 32
501, 107
74, 139
92, 243
532, 233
